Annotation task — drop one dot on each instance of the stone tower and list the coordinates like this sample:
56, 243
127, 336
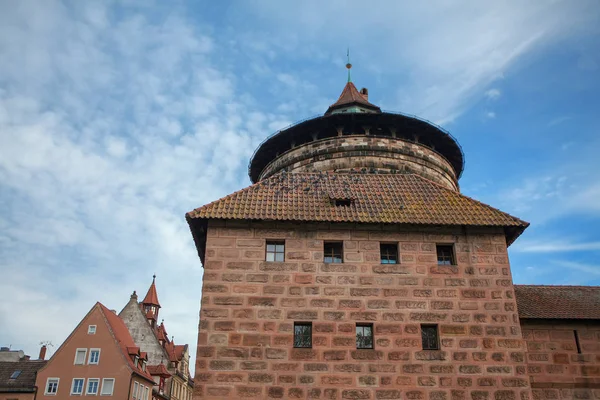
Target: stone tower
353, 268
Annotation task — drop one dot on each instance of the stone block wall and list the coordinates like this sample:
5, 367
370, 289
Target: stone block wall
360, 151
245, 342
557, 367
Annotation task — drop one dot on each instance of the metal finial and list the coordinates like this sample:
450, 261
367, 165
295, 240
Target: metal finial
153, 278
348, 65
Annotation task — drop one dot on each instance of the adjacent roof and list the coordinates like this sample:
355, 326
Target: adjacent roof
124, 339
558, 302
151, 297
25, 381
158, 370
350, 95
374, 198
174, 351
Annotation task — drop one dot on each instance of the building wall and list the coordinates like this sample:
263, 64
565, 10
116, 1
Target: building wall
17, 396
111, 363
360, 151
245, 342
142, 334
558, 370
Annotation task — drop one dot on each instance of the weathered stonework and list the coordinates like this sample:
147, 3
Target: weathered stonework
557, 368
245, 342
381, 154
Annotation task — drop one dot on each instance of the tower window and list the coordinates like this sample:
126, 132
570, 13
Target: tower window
389, 253
275, 250
333, 252
445, 254
303, 334
364, 336
429, 335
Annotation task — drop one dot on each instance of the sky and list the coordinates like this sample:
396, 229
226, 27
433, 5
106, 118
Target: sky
118, 117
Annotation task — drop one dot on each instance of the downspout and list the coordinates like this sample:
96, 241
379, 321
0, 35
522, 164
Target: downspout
35, 389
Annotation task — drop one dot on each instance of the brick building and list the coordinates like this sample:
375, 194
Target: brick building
353, 268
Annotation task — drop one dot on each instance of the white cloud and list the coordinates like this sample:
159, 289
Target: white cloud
112, 126
493, 94
441, 56
490, 114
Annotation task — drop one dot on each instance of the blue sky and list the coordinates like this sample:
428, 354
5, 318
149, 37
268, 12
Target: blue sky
116, 118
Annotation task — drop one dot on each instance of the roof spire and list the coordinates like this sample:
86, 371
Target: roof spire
348, 65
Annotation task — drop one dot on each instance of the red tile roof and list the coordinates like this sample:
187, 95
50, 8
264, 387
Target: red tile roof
158, 370
375, 198
558, 302
124, 339
351, 95
151, 297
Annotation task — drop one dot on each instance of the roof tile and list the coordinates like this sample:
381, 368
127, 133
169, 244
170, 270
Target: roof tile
558, 302
375, 198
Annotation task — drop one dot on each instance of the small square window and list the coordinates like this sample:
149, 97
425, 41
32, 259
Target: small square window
364, 336
15, 374
94, 356
303, 334
388, 253
445, 254
429, 335
77, 387
92, 330
80, 356
333, 252
275, 250
51, 386
92, 387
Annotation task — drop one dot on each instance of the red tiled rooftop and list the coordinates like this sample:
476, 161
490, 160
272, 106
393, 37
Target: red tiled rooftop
351, 95
375, 198
558, 302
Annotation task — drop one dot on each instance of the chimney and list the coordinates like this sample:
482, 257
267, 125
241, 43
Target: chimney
42, 353
365, 93
26, 358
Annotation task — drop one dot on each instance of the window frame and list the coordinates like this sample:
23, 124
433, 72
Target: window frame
333, 253
441, 246
87, 390
397, 253
437, 337
275, 252
46, 392
136, 388
303, 323
82, 387
90, 356
104, 380
146, 392
92, 329
365, 325
85, 352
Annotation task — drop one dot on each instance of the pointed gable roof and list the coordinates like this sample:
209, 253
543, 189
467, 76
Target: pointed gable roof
124, 339
351, 96
151, 297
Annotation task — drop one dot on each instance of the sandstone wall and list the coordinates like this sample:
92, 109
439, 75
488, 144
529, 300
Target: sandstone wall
556, 368
245, 343
371, 152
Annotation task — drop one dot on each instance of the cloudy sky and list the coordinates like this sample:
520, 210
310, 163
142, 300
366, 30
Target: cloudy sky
116, 118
